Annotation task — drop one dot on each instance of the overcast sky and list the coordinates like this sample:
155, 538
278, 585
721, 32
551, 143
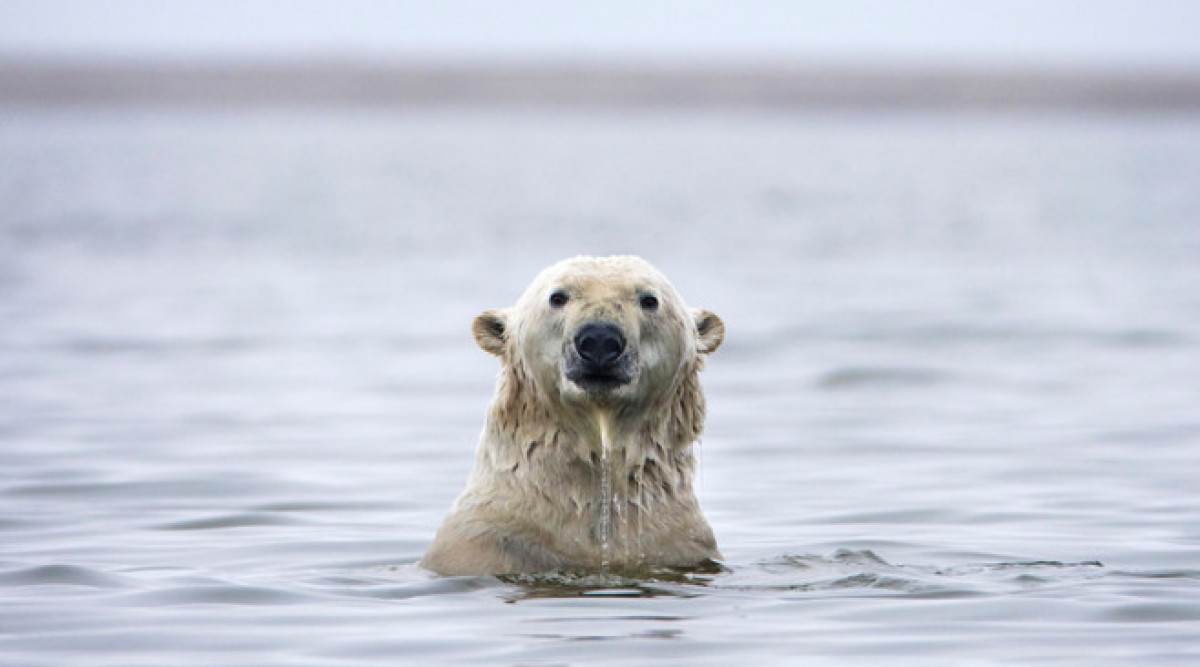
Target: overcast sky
1110, 33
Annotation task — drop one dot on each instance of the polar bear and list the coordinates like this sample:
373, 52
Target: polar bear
585, 462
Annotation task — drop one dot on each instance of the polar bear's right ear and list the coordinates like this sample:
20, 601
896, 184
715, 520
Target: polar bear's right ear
491, 331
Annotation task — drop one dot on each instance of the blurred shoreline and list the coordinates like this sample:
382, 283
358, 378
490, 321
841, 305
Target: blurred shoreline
319, 84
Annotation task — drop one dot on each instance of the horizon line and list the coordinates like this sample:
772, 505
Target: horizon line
328, 82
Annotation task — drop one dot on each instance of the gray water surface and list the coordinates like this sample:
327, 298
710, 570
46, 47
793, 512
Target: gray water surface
956, 418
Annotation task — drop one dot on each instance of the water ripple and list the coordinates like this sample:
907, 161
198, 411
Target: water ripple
61, 575
863, 570
231, 521
1154, 612
855, 377
219, 594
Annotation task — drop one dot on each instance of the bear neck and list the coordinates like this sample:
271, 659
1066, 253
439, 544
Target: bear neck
525, 418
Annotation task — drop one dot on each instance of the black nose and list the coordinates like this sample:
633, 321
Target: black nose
599, 345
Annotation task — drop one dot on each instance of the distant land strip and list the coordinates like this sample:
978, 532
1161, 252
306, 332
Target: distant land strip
334, 84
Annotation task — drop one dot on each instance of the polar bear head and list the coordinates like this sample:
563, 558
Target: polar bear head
603, 334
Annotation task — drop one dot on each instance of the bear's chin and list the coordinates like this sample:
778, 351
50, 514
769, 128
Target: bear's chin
601, 389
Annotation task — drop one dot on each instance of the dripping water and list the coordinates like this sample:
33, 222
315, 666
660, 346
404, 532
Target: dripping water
605, 494
640, 480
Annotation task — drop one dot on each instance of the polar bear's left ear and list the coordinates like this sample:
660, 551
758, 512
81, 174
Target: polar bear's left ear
491, 331
710, 328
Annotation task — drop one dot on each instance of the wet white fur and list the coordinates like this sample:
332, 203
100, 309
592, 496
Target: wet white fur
535, 500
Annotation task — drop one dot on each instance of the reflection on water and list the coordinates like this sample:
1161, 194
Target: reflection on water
954, 417
678, 582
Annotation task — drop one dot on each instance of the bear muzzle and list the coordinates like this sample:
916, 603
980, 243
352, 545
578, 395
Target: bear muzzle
598, 358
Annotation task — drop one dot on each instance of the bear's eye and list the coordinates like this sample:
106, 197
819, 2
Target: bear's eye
649, 302
558, 299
